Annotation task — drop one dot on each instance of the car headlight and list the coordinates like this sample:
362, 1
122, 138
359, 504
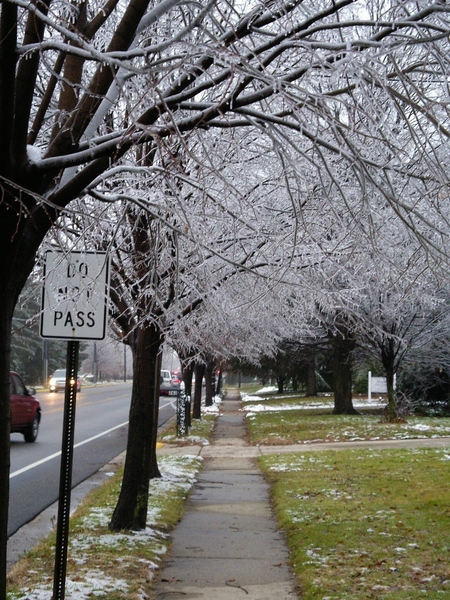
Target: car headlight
52, 381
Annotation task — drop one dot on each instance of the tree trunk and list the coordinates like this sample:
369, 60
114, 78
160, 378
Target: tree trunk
17, 256
391, 407
5, 424
311, 381
131, 509
187, 369
280, 384
210, 382
187, 373
199, 370
154, 469
388, 360
219, 383
342, 374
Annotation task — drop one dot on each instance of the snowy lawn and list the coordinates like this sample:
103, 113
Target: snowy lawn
291, 420
365, 524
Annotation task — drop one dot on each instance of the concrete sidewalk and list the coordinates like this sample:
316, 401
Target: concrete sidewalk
228, 546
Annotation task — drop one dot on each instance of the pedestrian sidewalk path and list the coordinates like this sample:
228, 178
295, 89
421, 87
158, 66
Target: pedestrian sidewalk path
228, 546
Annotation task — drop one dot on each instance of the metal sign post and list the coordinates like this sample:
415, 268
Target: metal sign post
65, 478
74, 307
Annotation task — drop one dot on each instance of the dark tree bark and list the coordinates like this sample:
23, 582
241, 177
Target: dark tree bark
388, 357
311, 381
188, 373
199, 371
219, 382
342, 373
280, 384
187, 370
131, 508
5, 349
10, 283
154, 469
189, 415
18, 245
210, 382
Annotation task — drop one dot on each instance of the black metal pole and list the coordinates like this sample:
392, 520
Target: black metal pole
95, 363
65, 481
45, 356
188, 413
125, 362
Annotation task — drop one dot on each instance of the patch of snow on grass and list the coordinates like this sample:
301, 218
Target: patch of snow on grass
195, 440
214, 409
258, 407
254, 408
421, 427
320, 403
178, 472
93, 584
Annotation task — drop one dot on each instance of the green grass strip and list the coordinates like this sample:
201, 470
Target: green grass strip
364, 523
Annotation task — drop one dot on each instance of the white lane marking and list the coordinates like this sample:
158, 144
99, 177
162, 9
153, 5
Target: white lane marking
44, 460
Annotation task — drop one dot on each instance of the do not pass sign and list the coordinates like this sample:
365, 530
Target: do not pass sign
75, 295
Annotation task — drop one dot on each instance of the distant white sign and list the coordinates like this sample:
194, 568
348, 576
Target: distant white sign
378, 385
75, 295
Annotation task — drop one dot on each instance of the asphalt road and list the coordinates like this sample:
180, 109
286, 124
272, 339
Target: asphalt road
101, 427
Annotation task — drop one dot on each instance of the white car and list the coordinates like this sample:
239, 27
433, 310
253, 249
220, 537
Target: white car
167, 385
58, 381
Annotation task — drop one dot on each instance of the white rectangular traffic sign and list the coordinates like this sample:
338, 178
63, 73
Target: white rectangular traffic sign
75, 295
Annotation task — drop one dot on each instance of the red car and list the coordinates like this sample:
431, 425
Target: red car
25, 409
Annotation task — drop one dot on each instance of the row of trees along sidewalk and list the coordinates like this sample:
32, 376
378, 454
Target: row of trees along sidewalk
336, 104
